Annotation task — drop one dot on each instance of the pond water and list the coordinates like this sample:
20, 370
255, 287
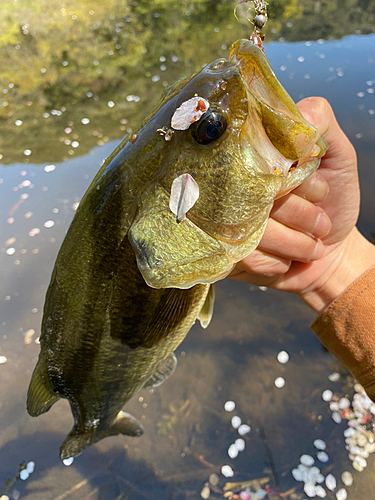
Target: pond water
69, 101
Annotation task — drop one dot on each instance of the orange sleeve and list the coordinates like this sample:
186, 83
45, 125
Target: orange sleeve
347, 328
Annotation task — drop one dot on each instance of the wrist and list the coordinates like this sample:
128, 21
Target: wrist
343, 266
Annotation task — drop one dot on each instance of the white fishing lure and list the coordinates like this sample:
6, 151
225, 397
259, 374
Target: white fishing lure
189, 112
184, 195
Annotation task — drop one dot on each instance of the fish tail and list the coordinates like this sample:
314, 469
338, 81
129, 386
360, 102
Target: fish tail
76, 441
40, 396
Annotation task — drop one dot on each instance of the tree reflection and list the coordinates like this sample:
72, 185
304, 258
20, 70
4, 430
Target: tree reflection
108, 60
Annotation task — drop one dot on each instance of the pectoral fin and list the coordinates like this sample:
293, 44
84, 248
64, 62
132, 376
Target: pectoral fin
40, 396
76, 442
163, 371
207, 310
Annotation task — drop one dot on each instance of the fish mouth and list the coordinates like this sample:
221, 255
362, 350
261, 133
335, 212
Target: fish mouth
276, 137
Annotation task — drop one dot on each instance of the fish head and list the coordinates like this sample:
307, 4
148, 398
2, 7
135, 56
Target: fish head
236, 142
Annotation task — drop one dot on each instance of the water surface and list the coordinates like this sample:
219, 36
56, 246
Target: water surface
187, 430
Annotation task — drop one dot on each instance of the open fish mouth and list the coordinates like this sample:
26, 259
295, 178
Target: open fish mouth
276, 137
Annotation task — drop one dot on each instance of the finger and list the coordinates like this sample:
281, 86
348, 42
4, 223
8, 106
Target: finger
338, 167
315, 188
301, 215
318, 111
260, 268
288, 243
261, 263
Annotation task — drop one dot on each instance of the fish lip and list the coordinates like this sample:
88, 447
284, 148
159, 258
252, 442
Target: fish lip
277, 131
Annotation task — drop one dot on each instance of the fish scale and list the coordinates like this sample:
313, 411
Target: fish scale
131, 279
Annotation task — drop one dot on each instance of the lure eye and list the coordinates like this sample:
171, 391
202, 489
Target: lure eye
209, 128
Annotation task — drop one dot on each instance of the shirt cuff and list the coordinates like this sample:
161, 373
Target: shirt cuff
347, 328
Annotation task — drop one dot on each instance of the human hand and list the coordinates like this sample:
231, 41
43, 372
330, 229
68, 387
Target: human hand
311, 245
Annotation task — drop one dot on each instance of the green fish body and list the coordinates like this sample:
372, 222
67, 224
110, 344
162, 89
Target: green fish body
131, 277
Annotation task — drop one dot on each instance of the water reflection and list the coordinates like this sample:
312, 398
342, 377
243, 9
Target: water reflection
76, 77
188, 432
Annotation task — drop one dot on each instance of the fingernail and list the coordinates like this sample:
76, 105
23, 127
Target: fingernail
322, 226
318, 251
317, 191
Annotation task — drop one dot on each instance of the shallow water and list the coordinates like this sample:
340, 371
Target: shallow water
234, 359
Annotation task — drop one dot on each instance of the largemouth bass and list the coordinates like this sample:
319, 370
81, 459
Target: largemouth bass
170, 212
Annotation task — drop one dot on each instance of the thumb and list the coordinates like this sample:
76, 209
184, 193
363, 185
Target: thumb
319, 113
338, 167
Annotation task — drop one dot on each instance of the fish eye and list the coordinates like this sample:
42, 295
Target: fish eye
209, 128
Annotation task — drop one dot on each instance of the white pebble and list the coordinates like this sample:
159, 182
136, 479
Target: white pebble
331, 482
357, 466
334, 406
283, 357
358, 388
327, 395
229, 406
320, 492
319, 478
10, 251
236, 422
279, 382
244, 429
300, 59
320, 444
297, 474
68, 461
4, 497
49, 223
205, 493
344, 403
361, 461
111, 104
303, 468
322, 456
310, 489
24, 475
334, 377
75, 144
240, 443
27, 152
227, 471
85, 121
18, 123
349, 432
336, 417
30, 467
233, 451
306, 460
347, 478
49, 168
3, 359
342, 494
313, 474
